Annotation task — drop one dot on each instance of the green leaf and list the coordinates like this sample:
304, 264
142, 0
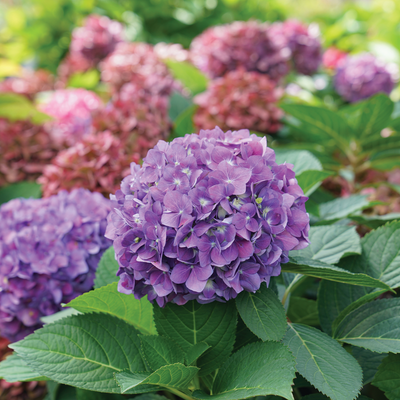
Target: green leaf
20, 189
324, 363
244, 335
184, 123
310, 180
189, 75
192, 323
263, 313
387, 378
195, 352
66, 392
386, 160
330, 243
82, 394
242, 375
303, 311
369, 362
378, 144
177, 104
318, 269
87, 80
302, 160
373, 326
158, 351
174, 376
15, 369
342, 207
108, 300
374, 221
52, 388
150, 396
106, 272
83, 350
59, 315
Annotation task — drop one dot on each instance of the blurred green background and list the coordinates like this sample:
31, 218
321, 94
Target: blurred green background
37, 32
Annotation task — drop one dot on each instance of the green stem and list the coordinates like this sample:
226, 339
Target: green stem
297, 279
297, 393
180, 394
169, 395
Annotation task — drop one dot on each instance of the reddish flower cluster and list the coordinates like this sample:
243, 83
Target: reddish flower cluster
25, 149
333, 57
249, 45
97, 163
237, 100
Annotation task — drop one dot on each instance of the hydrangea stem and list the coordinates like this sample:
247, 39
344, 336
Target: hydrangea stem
180, 394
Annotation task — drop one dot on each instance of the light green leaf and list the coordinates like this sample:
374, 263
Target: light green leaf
387, 378
342, 207
87, 80
302, 160
184, 123
190, 76
373, 326
20, 189
330, 243
174, 376
310, 180
108, 300
324, 363
378, 144
83, 351
318, 269
192, 323
59, 315
195, 352
303, 311
242, 376
15, 369
369, 362
106, 272
263, 313
158, 351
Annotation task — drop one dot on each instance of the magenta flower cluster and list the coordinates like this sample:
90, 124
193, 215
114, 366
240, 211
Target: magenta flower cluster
206, 217
363, 75
49, 252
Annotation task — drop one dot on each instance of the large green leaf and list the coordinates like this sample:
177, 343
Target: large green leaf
303, 311
369, 362
319, 269
20, 189
184, 123
192, 323
195, 352
244, 335
324, 363
87, 80
388, 377
375, 145
106, 272
330, 243
263, 313
373, 326
108, 300
15, 369
177, 104
174, 376
302, 160
83, 350
342, 207
310, 180
82, 394
49, 319
258, 369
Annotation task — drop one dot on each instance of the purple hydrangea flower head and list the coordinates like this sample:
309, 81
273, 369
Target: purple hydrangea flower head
248, 45
363, 75
49, 252
206, 217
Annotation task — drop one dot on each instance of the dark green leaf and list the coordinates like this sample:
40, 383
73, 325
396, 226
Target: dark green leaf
108, 300
106, 272
184, 123
242, 376
386, 160
192, 323
369, 362
66, 392
20, 189
244, 335
330, 243
263, 313
15, 369
303, 311
381, 143
373, 326
374, 221
82, 394
150, 396
310, 180
195, 352
83, 350
315, 396
324, 363
52, 388
302, 160
387, 378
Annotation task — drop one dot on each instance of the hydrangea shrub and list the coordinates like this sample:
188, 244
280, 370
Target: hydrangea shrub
206, 217
49, 252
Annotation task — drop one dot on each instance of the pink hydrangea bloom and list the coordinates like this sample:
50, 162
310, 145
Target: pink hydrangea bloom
249, 45
237, 100
97, 162
333, 57
173, 51
72, 109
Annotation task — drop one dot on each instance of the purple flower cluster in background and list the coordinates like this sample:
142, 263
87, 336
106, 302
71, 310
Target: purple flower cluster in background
206, 217
363, 75
49, 251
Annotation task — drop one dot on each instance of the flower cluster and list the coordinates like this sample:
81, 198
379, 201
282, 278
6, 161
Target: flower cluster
137, 115
206, 217
49, 251
136, 63
303, 42
333, 57
25, 149
29, 83
173, 51
249, 45
240, 99
72, 110
361, 76
96, 163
